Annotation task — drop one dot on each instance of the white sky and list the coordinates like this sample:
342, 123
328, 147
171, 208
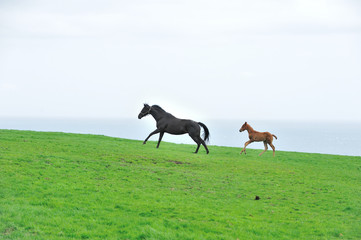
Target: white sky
255, 59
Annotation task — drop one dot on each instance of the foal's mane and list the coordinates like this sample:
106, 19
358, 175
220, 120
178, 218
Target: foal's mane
249, 128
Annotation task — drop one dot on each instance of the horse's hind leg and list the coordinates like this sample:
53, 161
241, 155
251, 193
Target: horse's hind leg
198, 145
197, 139
205, 146
273, 147
265, 148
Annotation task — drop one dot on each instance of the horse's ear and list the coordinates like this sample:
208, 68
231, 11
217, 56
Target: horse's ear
245, 122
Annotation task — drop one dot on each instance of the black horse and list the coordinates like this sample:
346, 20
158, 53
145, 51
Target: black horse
166, 122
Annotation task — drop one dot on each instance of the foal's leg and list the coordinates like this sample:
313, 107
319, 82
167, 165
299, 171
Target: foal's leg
273, 147
244, 148
152, 133
160, 138
265, 148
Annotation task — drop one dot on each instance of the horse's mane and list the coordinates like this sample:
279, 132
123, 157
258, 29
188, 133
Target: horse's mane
157, 107
160, 109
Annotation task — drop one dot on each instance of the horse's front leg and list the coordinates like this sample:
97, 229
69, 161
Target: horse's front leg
244, 148
152, 133
160, 138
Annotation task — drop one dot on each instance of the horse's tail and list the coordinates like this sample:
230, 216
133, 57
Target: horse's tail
274, 136
206, 132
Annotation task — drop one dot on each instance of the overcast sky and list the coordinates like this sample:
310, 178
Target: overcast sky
255, 59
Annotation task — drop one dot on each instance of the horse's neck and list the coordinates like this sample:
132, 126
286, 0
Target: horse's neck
155, 115
158, 114
250, 129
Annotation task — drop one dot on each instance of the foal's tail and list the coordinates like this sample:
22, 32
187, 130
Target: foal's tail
206, 132
274, 136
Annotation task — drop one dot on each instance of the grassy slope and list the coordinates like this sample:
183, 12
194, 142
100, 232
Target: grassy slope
61, 186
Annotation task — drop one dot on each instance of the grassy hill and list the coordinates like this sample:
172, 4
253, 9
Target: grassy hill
72, 186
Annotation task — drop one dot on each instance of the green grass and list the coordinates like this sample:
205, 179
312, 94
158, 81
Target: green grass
72, 186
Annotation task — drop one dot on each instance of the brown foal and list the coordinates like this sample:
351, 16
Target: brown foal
255, 136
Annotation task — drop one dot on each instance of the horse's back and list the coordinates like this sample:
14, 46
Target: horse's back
175, 125
269, 136
260, 136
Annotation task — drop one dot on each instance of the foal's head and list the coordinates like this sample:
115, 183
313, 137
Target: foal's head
145, 111
244, 127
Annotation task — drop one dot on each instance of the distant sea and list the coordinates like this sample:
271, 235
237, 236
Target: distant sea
341, 138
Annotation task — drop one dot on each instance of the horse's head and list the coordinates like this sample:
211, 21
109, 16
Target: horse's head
244, 127
145, 111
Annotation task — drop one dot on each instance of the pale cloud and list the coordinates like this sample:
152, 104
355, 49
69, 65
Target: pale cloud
6, 87
91, 58
188, 18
